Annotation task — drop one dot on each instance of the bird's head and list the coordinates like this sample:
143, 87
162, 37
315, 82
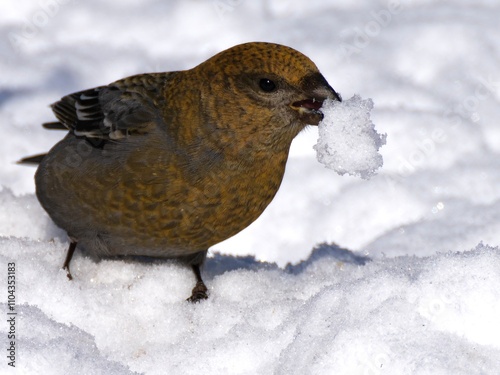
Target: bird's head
266, 90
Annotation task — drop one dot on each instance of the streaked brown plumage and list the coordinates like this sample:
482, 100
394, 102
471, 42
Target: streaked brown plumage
168, 164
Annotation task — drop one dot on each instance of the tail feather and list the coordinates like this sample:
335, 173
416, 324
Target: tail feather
54, 126
35, 159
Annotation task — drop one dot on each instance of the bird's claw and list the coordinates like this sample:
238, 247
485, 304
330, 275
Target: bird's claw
199, 293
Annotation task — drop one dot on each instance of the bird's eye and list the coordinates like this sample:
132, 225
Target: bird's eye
267, 85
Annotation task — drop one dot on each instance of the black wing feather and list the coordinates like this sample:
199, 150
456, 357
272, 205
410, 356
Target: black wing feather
114, 111
129, 106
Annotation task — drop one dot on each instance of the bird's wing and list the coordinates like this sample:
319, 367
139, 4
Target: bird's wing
128, 106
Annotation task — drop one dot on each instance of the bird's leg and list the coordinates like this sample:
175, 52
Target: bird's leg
200, 290
69, 255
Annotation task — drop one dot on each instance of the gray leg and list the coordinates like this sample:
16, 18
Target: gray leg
200, 290
69, 255
196, 260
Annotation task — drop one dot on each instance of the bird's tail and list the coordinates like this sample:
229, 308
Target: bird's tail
54, 126
37, 159
32, 160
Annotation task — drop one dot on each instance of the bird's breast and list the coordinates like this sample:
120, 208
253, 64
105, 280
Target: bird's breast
201, 207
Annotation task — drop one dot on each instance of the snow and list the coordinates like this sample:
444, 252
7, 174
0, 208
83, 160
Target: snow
348, 142
397, 274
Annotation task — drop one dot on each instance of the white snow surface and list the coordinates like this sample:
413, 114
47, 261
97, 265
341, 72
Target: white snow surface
348, 142
398, 274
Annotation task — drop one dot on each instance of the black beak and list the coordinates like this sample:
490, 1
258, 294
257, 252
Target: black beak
316, 90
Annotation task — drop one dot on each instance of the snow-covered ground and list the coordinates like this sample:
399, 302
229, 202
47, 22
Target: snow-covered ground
399, 274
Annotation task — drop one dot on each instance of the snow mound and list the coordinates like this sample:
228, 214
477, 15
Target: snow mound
334, 313
348, 142
53, 348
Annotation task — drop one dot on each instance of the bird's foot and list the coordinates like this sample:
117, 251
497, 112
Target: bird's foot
69, 256
68, 273
199, 292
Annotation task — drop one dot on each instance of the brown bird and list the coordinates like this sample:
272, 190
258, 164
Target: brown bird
168, 164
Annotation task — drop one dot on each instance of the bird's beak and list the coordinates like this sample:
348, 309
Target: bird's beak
317, 91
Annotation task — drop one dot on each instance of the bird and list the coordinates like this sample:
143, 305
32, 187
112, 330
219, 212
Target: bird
166, 165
